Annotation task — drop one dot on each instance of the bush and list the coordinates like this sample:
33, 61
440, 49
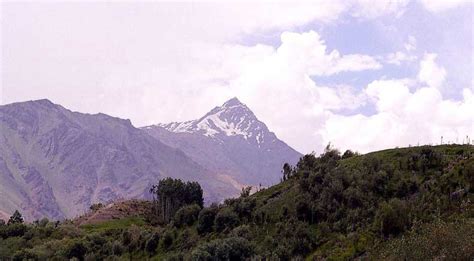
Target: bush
13, 230
233, 248
167, 240
97, 206
76, 249
186, 215
392, 217
435, 241
226, 219
152, 243
243, 231
16, 218
348, 154
117, 248
206, 220
24, 255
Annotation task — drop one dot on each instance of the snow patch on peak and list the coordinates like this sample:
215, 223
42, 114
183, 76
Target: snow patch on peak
233, 118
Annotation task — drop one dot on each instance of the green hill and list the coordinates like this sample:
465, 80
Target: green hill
409, 203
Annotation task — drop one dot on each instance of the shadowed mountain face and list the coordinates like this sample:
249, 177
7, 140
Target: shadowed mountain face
56, 163
232, 142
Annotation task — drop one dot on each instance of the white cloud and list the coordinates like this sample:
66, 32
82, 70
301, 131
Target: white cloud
430, 72
437, 6
372, 9
399, 57
403, 117
307, 50
410, 45
160, 62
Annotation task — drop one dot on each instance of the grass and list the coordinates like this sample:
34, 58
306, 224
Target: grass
114, 224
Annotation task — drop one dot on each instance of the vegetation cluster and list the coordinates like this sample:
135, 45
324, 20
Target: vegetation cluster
411, 204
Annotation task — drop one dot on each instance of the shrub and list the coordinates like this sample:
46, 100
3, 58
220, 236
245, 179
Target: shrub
186, 215
226, 218
206, 220
13, 230
152, 243
117, 248
392, 217
167, 240
76, 249
233, 248
435, 241
97, 206
24, 255
16, 218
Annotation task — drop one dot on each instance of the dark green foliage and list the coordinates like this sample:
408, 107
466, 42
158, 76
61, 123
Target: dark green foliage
233, 248
437, 241
13, 230
167, 240
24, 255
226, 219
97, 206
245, 192
292, 238
186, 215
392, 217
243, 206
117, 248
206, 219
76, 249
152, 243
16, 218
287, 171
349, 153
171, 194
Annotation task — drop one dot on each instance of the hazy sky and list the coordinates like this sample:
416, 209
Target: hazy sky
360, 74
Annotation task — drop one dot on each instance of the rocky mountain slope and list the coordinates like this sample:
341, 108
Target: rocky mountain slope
56, 163
232, 142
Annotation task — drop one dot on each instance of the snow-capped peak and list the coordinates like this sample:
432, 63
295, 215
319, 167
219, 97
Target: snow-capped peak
233, 118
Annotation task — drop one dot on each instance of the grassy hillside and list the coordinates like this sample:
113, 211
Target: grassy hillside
410, 203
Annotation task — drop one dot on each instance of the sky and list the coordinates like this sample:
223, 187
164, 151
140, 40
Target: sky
362, 75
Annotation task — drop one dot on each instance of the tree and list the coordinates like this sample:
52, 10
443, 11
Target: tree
172, 194
97, 206
226, 219
16, 218
76, 249
245, 192
186, 215
348, 154
287, 171
392, 218
232, 248
206, 220
152, 243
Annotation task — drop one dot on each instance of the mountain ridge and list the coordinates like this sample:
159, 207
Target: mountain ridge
56, 163
230, 134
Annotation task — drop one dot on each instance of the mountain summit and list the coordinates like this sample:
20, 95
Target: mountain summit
55, 163
233, 118
231, 141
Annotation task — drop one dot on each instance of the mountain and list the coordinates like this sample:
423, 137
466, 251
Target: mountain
232, 142
56, 163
